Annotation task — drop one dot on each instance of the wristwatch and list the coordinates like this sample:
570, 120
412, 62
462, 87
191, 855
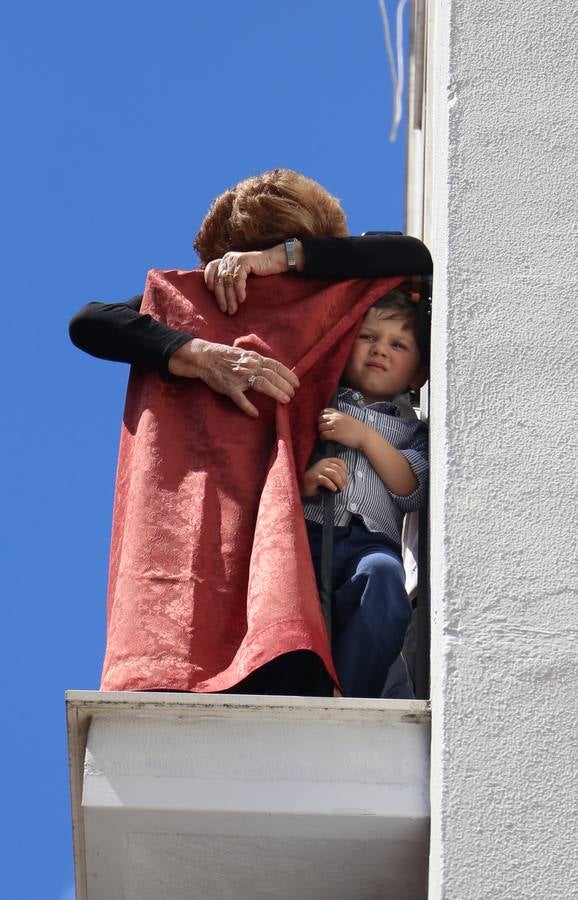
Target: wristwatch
290, 251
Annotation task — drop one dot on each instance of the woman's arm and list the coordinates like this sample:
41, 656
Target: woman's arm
371, 256
118, 332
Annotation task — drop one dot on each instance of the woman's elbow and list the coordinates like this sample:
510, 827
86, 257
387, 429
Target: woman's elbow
81, 325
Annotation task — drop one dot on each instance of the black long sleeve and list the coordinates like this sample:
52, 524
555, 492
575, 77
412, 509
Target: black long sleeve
371, 256
118, 331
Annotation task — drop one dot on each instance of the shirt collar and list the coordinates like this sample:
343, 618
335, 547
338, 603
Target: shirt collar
355, 398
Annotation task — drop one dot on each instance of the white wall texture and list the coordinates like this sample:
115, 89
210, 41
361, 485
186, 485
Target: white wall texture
500, 220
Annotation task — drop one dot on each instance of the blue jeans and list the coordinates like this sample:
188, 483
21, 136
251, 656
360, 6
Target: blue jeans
370, 612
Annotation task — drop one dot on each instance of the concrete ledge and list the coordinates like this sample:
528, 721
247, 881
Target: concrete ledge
213, 787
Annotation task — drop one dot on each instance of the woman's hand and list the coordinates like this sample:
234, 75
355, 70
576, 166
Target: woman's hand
330, 473
233, 371
227, 277
337, 426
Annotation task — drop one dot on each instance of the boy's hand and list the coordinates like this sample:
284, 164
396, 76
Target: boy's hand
330, 473
338, 426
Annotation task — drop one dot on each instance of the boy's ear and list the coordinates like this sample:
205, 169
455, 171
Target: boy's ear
420, 378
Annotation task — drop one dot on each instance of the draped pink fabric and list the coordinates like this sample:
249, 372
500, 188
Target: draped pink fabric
210, 572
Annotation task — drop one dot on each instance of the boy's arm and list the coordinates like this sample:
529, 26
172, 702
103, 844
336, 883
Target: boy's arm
390, 464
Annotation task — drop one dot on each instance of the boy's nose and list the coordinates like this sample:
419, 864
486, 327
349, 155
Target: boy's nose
379, 349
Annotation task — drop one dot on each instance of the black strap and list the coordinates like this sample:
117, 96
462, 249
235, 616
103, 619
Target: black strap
326, 568
326, 573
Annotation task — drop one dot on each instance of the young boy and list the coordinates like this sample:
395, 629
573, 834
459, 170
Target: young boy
379, 474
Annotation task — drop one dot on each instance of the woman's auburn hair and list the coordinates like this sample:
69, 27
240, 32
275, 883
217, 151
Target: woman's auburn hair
262, 211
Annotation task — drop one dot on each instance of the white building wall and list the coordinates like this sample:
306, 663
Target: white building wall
500, 220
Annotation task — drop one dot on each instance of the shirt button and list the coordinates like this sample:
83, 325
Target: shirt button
353, 507
359, 473
371, 417
356, 396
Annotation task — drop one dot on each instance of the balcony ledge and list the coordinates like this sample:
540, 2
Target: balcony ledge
202, 796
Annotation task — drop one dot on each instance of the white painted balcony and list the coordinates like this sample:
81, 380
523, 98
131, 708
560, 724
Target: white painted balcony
220, 797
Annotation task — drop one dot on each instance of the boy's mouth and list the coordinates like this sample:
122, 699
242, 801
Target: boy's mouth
374, 365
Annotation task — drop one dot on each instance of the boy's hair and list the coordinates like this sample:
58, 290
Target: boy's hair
400, 305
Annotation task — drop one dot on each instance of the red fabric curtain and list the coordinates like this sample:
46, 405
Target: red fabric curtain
210, 572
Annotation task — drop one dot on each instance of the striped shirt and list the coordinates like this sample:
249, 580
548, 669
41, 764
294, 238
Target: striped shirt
366, 495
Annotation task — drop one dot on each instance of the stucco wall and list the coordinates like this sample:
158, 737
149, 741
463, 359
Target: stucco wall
501, 222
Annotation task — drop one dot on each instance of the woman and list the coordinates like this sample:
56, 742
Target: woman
264, 210
259, 212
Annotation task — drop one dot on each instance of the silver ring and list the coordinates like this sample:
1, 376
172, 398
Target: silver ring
251, 379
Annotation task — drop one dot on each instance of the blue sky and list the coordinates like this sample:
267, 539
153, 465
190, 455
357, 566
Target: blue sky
122, 121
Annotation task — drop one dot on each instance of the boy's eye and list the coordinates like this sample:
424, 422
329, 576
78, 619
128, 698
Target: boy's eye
398, 345
366, 337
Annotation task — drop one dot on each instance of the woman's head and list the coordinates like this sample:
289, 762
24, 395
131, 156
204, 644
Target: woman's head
262, 211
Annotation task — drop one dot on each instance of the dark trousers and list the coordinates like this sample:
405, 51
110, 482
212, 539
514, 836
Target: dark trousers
370, 612
300, 673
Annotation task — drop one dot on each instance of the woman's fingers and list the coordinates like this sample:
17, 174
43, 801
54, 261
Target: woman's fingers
230, 295
275, 380
209, 273
266, 383
227, 276
281, 370
220, 296
271, 377
219, 291
240, 273
224, 289
230, 280
213, 273
244, 404
233, 371
219, 278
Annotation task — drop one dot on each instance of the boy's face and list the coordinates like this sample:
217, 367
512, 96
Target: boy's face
385, 359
